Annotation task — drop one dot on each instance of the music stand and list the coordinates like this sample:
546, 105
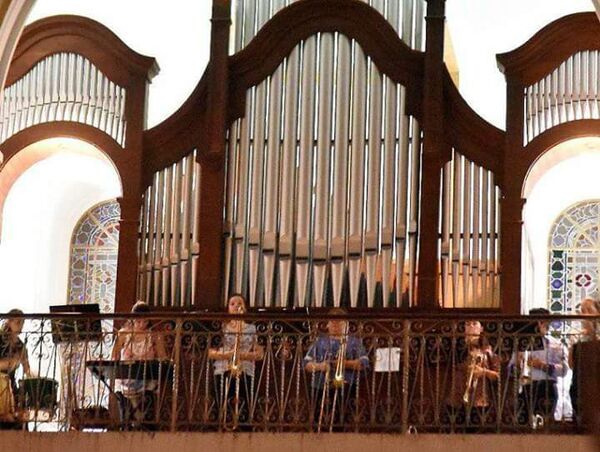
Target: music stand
64, 330
130, 370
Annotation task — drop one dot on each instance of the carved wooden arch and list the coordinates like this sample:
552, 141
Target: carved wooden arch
550, 46
86, 37
470, 134
548, 140
101, 140
14, 146
353, 18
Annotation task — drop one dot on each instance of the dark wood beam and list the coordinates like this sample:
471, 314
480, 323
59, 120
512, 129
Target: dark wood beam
433, 149
209, 276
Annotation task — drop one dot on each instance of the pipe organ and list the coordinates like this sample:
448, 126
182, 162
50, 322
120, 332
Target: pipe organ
64, 87
568, 93
469, 247
168, 245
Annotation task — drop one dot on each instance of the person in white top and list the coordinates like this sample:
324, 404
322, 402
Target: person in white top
545, 364
234, 364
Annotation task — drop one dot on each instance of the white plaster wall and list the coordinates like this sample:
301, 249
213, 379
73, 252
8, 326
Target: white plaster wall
40, 213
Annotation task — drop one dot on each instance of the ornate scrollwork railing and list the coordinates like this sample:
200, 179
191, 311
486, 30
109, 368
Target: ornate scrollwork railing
402, 373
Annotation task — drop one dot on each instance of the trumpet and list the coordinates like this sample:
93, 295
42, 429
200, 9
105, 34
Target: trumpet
475, 360
235, 364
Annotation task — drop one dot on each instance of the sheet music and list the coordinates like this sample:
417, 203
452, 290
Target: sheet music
387, 359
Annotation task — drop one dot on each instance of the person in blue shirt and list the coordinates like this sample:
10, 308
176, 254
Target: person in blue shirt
328, 397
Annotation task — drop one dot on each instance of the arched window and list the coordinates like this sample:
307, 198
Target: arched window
94, 250
574, 256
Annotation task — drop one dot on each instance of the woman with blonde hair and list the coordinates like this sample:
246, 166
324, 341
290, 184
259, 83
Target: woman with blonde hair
12, 355
589, 332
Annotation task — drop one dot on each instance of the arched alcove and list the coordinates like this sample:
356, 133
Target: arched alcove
58, 180
561, 178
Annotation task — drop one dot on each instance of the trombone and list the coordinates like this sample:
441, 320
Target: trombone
337, 382
235, 364
235, 372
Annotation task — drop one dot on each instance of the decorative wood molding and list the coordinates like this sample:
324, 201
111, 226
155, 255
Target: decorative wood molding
84, 36
92, 135
551, 138
551, 46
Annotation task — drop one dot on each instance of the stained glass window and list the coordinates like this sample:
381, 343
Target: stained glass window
574, 257
94, 249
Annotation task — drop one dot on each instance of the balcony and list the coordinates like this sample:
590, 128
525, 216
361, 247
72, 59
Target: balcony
401, 374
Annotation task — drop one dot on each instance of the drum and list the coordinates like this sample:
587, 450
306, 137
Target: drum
7, 401
38, 397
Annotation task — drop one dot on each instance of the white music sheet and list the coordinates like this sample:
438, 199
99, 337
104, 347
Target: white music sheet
387, 359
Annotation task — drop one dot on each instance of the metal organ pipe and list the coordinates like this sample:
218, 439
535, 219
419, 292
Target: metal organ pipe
373, 162
456, 224
320, 254
339, 201
272, 183
288, 173
467, 231
305, 170
402, 189
357, 169
174, 254
445, 245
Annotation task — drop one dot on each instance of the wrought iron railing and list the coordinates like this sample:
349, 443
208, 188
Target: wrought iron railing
402, 373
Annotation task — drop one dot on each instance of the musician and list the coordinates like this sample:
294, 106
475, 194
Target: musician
322, 361
234, 363
12, 355
539, 394
589, 332
471, 395
137, 342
